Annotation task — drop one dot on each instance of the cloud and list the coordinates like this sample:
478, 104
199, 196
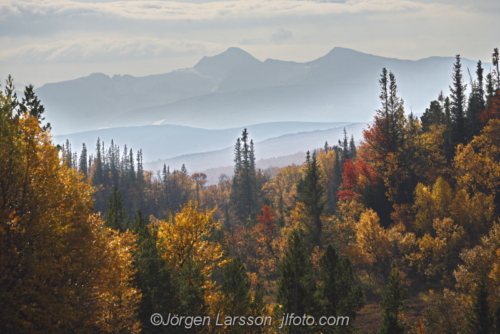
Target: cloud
107, 49
71, 11
281, 35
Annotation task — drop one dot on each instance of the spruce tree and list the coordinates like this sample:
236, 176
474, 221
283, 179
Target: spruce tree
393, 303
98, 173
448, 146
433, 115
339, 294
153, 278
235, 288
30, 103
296, 284
476, 105
490, 89
11, 94
496, 62
457, 104
258, 307
352, 148
244, 191
83, 160
116, 216
311, 193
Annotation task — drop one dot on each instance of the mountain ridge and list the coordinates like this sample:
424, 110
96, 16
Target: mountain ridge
234, 88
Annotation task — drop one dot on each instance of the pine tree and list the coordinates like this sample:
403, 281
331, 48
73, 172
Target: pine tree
311, 193
116, 216
338, 292
296, 285
457, 104
393, 303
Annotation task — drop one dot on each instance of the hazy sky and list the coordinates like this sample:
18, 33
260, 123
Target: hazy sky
53, 40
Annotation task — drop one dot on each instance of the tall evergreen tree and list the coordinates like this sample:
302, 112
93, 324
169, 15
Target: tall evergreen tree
476, 105
83, 167
352, 148
244, 192
258, 307
457, 104
393, 303
490, 89
296, 284
311, 193
235, 288
338, 292
116, 216
98, 175
11, 94
496, 62
30, 103
433, 115
154, 278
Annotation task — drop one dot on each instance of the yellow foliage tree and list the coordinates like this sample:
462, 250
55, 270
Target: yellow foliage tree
371, 250
186, 240
438, 256
282, 189
61, 270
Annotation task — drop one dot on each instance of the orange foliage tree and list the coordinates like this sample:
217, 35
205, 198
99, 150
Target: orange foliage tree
61, 270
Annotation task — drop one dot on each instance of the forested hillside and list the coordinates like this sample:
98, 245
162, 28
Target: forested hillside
92, 242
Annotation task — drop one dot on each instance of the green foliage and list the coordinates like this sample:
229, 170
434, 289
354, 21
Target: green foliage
154, 278
296, 285
244, 192
338, 292
116, 216
393, 303
311, 192
457, 103
235, 288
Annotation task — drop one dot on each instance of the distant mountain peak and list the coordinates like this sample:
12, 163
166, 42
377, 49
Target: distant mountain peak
217, 66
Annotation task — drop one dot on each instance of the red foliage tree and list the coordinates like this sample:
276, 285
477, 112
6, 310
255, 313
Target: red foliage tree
356, 176
493, 112
266, 227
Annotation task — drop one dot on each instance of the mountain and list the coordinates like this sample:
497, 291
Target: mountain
341, 86
168, 141
234, 89
89, 103
268, 152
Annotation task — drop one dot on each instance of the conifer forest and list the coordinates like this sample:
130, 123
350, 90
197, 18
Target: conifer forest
397, 231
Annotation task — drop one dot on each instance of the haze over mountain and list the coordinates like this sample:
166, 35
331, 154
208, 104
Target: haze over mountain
169, 141
272, 148
234, 89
